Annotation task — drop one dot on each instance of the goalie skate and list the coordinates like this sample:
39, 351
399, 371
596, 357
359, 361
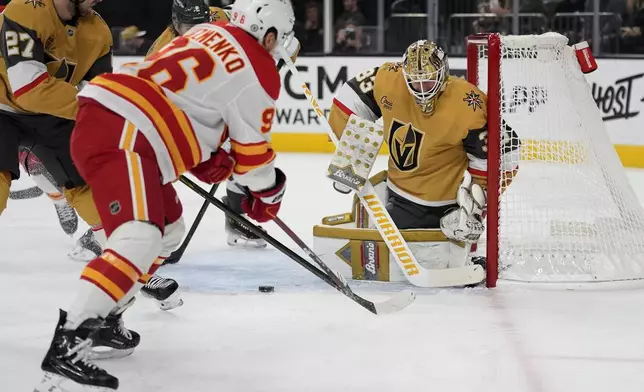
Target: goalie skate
164, 291
66, 365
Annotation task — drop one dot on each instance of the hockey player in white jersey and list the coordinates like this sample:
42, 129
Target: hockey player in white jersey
139, 130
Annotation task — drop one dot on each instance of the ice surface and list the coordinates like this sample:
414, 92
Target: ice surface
306, 337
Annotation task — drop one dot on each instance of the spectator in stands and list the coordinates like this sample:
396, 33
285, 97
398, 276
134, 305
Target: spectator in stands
489, 23
503, 7
572, 26
632, 40
351, 15
131, 41
621, 32
348, 36
503, 24
310, 33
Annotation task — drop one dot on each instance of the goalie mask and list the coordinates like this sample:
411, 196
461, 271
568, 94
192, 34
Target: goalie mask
426, 70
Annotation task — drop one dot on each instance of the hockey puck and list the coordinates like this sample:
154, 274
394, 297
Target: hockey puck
266, 289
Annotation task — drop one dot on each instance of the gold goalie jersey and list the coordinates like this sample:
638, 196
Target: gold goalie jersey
427, 154
44, 59
216, 14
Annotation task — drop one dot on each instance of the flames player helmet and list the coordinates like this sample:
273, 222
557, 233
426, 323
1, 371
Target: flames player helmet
258, 17
426, 70
187, 13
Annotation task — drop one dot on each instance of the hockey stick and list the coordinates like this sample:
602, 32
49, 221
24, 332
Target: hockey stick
400, 301
27, 193
390, 234
176, 255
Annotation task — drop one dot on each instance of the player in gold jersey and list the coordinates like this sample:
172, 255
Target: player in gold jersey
49, 49
185, 14
436, 128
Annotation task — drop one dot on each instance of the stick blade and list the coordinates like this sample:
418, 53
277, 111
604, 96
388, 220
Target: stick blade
28, 193
449, 277
398, 302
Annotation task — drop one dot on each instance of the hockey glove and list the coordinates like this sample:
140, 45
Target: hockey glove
263, 206
465, 223
216, 169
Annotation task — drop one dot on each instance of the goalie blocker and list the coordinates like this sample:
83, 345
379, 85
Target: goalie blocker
350, 244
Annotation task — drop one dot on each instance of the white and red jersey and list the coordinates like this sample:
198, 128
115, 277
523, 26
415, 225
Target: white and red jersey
214, 82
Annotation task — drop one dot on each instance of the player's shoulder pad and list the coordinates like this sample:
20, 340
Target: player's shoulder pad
168, 35
465, 97
218, 14
391, 67
468, 95
388, 74
100, 27
38, 16
390, 70
262, 62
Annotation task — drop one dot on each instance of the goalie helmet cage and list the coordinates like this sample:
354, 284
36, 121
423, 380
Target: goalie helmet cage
560, 208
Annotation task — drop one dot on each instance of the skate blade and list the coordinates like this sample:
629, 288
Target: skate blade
99, 353
55, 383
173, 301
247, 244
81, 255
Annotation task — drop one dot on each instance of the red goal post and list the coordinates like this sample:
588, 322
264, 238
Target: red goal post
475, 45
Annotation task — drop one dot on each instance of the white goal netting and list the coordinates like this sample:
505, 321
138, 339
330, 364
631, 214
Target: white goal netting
569, 214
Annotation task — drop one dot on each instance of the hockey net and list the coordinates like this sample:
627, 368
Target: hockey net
569, 214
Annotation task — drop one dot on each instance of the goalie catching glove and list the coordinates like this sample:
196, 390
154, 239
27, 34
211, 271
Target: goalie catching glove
263, 206
465, 223
216, 169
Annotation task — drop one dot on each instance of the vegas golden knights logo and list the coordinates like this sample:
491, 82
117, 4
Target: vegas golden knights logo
61, 69
404, 145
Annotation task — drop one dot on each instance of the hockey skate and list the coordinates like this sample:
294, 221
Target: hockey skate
66, 363
113, 340
240, 235
67, 218
164, 291
87, 248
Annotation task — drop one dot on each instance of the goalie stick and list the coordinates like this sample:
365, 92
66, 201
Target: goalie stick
176, 255
415, 274
398, 302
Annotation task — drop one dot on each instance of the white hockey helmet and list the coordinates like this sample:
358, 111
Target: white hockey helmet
258, 16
